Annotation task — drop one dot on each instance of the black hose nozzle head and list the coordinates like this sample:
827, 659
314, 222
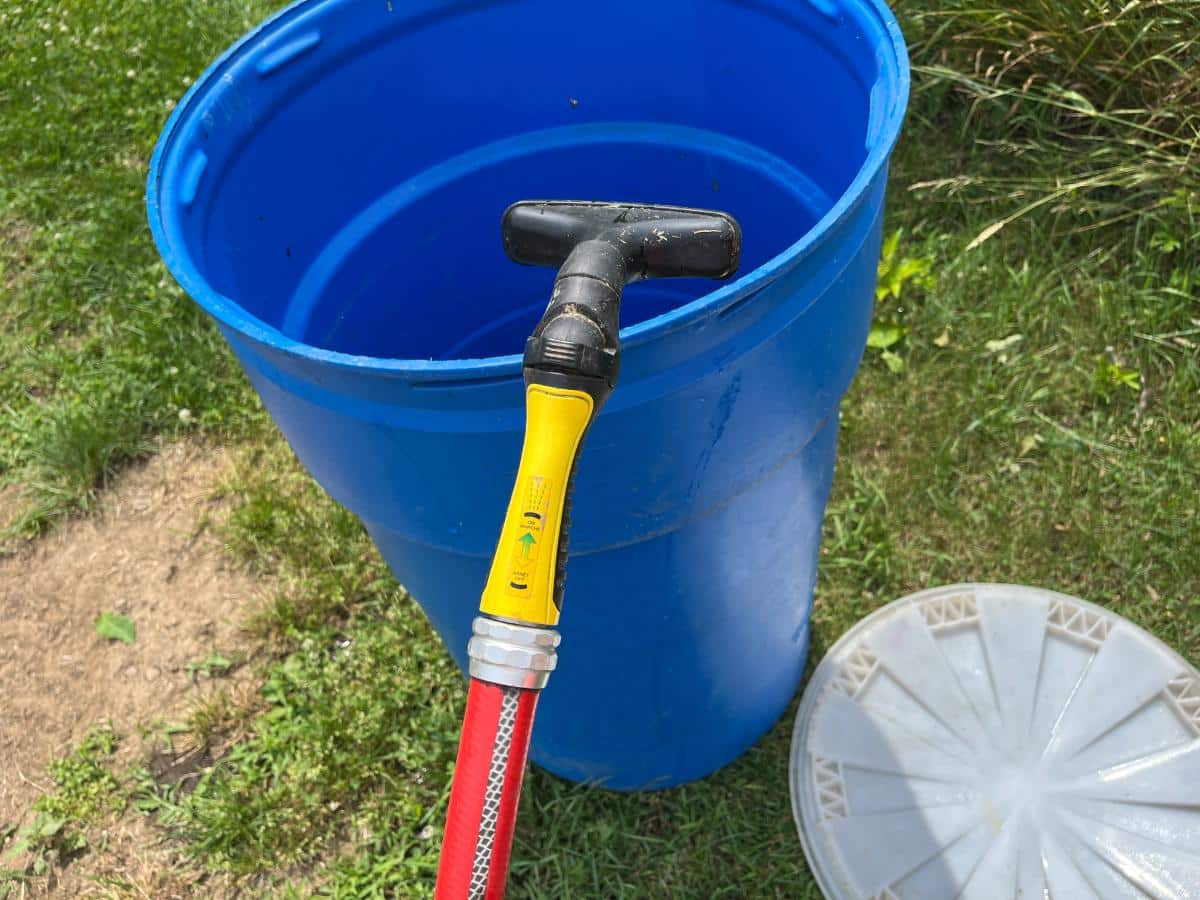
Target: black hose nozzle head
598, 249
653, 241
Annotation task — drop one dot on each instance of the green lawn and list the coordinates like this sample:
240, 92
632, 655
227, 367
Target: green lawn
1035, 418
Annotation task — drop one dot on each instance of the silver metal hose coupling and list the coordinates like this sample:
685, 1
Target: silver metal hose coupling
521, 656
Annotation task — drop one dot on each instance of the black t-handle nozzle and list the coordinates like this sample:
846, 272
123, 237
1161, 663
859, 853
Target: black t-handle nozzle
598, 249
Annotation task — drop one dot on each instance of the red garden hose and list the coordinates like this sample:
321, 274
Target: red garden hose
487, 788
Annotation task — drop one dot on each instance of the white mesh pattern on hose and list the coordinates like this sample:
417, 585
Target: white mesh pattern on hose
491, 796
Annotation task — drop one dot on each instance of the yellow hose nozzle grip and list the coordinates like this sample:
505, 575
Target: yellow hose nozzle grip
521, 585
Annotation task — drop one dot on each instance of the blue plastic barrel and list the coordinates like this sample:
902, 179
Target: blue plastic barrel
331, 190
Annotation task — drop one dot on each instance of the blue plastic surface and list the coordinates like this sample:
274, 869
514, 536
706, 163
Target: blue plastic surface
331, 191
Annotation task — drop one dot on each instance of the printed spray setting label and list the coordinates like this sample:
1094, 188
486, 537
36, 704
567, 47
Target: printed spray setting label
535, 506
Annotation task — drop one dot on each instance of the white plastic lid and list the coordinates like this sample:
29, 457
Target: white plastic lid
994, 741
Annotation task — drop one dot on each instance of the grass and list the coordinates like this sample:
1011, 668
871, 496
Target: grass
1105, 92
1030, 415
355, 685
340, 756
285, 526
85, 794
100, 353
86, 789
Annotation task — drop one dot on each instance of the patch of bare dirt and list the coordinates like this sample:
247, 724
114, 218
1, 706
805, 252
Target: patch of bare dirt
148, 554
136, 863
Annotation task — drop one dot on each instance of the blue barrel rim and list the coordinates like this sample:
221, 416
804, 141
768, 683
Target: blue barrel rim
880, 142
